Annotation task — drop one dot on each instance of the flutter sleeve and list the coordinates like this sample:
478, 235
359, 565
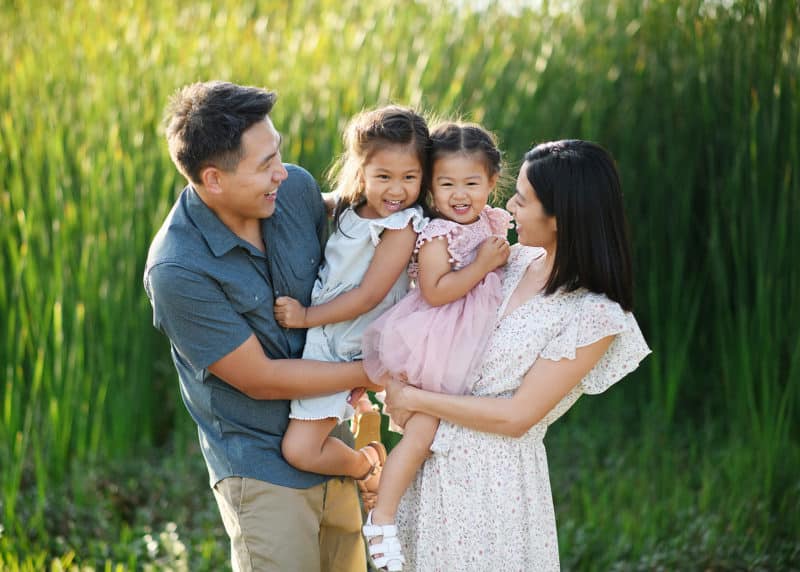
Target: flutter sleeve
499, 221
596, 318
396, 221
439, 228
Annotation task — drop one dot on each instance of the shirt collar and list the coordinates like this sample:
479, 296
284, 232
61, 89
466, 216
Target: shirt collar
218, 236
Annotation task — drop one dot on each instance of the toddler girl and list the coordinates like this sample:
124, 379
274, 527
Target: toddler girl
435, 337
381, 186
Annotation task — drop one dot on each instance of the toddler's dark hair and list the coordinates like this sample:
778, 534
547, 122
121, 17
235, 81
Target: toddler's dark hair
468, 139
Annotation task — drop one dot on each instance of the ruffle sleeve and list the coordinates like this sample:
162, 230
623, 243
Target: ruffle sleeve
396, 221
499, 221
438, 227
597, 318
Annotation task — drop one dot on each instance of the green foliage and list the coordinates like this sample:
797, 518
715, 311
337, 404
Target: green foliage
136, 514
697, 99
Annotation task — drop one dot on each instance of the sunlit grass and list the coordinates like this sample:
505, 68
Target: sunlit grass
697, 100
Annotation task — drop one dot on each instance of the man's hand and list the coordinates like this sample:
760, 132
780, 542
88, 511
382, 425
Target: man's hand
290, 313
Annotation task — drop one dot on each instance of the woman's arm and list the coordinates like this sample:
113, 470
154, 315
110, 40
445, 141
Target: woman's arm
440, 284
545, 384
389, 261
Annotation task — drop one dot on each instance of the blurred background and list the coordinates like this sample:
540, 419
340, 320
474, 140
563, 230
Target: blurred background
691, 463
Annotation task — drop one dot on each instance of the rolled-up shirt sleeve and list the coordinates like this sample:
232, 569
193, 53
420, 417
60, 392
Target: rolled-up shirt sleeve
194, 313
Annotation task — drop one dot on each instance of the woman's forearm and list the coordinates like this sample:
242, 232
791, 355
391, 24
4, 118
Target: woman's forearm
544, 385
488, 414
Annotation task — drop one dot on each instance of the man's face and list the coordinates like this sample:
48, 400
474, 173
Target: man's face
251, 189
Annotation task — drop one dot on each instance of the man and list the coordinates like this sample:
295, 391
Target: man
246, 230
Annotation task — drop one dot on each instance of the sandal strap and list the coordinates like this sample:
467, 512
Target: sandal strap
383, 562
389, 549
374, 466
371, 471
386, 530
388, 560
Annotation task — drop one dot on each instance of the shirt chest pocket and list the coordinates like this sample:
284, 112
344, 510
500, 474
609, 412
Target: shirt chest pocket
250, 296
297, 271
305, 264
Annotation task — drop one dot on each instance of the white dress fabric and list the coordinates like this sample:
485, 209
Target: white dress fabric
482, 501
348, 254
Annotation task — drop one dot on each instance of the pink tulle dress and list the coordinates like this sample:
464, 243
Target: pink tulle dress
439, 348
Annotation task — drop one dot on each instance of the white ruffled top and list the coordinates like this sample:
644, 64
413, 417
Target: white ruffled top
349, 251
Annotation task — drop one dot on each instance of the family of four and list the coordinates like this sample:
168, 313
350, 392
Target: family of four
276, 332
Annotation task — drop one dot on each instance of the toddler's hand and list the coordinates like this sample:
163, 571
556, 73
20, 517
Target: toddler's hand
289, 313
493, 253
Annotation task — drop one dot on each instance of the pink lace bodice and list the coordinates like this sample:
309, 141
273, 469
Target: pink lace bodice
463, 240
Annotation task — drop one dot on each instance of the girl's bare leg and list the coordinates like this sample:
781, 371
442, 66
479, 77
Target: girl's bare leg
307, 445
402, 464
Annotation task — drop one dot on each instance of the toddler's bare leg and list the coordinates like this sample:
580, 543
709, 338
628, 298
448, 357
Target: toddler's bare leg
308, 446
402, 464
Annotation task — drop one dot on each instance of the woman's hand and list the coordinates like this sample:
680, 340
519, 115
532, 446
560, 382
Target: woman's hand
290, 313
397, 402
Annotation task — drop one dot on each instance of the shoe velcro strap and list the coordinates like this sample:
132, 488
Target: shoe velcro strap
385, 530
389, 548
384, 560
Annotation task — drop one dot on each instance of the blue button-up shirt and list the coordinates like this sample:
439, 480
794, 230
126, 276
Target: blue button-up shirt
210, 290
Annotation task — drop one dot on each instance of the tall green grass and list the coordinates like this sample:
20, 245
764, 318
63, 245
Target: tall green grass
698, 100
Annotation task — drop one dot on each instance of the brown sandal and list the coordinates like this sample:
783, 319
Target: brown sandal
375, 453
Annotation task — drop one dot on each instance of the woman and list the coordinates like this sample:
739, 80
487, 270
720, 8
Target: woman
482, 501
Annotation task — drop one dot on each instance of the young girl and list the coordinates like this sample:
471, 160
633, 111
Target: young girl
381, 184
434, 337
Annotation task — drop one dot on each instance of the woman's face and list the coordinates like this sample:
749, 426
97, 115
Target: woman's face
534, 226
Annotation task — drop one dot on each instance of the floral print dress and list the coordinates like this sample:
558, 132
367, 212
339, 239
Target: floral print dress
482, 501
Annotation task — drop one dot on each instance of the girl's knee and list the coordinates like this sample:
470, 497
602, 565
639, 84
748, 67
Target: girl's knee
303, 441
298, 451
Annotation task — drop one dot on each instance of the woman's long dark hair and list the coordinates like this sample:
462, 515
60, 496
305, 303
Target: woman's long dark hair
578, 183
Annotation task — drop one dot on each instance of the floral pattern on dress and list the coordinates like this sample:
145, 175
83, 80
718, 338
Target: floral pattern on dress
483, 501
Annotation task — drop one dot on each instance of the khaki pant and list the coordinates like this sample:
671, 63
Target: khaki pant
274, 528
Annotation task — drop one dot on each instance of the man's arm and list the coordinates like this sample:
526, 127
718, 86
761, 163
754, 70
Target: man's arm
201, 323
250, 371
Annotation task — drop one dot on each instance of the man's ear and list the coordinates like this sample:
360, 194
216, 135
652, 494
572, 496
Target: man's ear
211, 178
